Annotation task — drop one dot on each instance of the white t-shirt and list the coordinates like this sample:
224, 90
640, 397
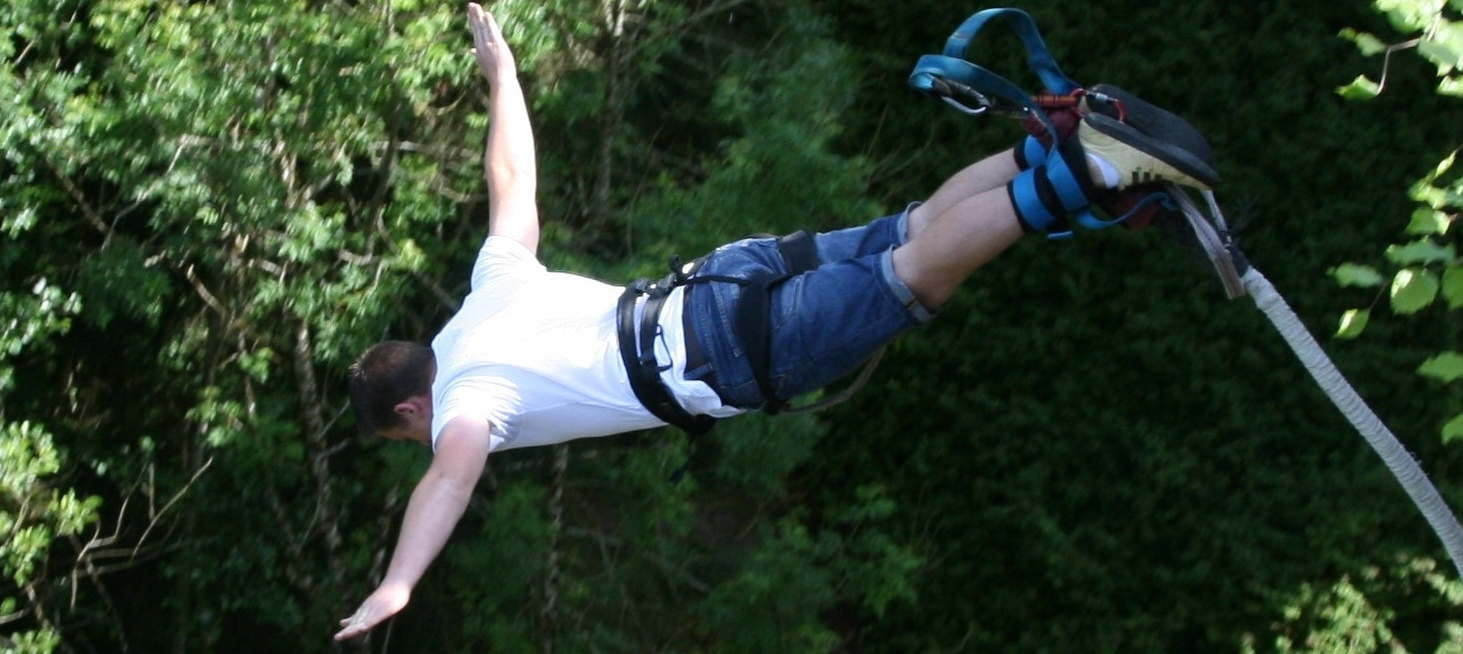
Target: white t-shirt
535, 354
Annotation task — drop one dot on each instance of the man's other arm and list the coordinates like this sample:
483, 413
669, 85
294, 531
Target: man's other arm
436, 505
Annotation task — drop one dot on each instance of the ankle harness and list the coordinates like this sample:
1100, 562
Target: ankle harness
1042, 197
637, 347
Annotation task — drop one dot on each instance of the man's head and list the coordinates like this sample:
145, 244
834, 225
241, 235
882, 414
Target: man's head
391, 390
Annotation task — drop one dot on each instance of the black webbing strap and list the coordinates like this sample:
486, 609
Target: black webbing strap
754, 311
799, 253
639, 357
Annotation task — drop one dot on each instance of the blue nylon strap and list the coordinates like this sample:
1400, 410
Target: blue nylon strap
1064, 181
1028, 201
952, 65
1086, 219
1038, 56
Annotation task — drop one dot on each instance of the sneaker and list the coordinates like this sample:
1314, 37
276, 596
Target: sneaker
1145, 143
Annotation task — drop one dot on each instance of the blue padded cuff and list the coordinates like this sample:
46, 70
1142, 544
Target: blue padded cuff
1026, 199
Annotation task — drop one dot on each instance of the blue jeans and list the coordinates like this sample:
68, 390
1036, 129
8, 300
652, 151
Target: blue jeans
824, 322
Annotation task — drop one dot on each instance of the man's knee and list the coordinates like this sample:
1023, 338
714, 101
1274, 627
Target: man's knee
932, 288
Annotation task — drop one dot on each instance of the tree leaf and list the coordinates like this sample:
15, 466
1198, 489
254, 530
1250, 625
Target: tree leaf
1355, 274
1443, 166
1412, 290
1368, 43
1454, 429
1421, 251
1353, 322
1439, 53
1360, 88
1452, 86
1427, 221
1453, 286
1444, 367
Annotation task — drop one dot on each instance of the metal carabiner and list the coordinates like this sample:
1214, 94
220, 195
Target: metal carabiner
948, 91
955, 94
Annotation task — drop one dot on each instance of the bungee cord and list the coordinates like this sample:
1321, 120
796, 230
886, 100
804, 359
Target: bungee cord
1241, 278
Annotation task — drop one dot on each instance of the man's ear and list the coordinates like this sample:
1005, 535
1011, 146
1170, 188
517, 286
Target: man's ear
413, 406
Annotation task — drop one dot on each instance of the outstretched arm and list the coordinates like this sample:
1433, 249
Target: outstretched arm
509, 162
433, 511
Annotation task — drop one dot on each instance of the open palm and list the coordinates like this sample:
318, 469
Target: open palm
494, 57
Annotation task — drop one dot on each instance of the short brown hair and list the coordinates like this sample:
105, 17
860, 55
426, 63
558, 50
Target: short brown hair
387, 374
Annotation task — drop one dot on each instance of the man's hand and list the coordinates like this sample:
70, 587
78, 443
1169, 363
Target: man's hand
384, 603
495, 60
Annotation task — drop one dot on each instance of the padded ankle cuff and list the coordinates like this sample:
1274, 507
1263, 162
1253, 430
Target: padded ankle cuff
1037, 203
1046, 195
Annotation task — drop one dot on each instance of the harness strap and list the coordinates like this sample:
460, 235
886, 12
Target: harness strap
937, 74
639, 357
799, 255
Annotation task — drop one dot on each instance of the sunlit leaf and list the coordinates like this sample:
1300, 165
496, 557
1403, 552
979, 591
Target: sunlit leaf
1441, 54
1428, 221
1451, 86
1412, 290
1365, 41
1360, 88
1353, 323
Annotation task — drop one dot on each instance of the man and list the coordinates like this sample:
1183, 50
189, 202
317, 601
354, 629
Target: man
535, 357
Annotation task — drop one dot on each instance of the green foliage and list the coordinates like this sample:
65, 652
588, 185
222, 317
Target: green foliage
31, 514
35, 508
1428, 267
787, 98
1345, 617
1350, 274
30, 319
777, 601
1353, 323
1439, 40
1445, 367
